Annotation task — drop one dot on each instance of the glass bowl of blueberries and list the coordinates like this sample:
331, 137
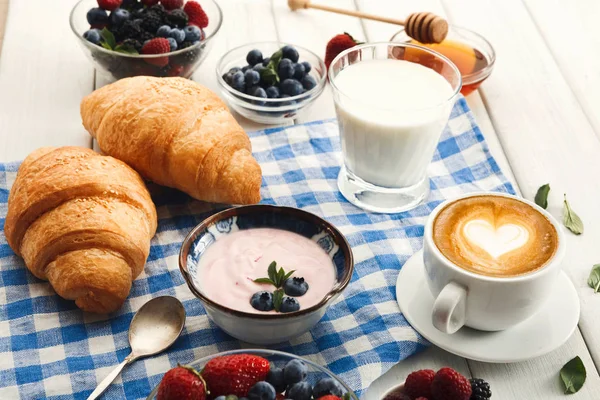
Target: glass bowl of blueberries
270, 82
125, 38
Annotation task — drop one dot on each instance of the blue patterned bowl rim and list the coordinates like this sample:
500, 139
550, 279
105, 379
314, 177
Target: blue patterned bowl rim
325, 226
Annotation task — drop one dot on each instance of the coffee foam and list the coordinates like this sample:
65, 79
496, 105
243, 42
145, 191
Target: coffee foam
494, 236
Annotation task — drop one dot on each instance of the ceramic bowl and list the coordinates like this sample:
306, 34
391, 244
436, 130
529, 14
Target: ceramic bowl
269, 111
116, 65
265, 328
279, 359
394, 393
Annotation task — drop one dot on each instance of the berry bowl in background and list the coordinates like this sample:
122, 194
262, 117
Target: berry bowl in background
265, 328
270, 110
117, 64
278, 359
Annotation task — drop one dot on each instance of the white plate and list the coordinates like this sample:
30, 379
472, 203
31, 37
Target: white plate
545, 331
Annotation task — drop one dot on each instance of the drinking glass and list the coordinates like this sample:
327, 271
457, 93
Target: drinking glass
387, 148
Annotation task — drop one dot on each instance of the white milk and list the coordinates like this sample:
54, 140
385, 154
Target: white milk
391, 114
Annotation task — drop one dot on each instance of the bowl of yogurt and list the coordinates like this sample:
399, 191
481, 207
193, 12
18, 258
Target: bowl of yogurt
266, 274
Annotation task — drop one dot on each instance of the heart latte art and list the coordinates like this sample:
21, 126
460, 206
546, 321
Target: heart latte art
494, 236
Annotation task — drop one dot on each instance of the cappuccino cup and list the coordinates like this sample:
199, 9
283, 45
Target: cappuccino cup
491, 261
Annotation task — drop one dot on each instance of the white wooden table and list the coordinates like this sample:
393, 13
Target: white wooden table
538, 112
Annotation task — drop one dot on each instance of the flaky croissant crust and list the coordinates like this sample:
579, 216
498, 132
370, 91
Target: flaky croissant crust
83, 222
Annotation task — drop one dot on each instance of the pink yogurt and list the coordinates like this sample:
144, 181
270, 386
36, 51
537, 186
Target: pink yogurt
229, 266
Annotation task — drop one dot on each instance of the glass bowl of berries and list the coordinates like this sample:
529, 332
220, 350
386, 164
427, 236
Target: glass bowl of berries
125, 38
270, 82
253, 374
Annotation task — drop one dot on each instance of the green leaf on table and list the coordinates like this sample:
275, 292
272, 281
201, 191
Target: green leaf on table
594, 279
541, 197
126, 49
108, 38
277, 299
264, 280
573, 375
571, 220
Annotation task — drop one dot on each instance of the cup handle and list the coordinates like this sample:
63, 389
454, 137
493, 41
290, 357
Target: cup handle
449, 309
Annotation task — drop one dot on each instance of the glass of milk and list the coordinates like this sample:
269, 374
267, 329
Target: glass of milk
392, 101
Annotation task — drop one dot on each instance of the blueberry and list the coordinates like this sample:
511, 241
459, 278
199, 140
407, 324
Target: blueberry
291, 87
119, 16
275, 378
252, 77
227, 77
254, 57
220, 398
97, 16
234, 70
266, 61
163, 31
307, 66
298, 71
262, 301
237, 81
294, 372
177, 34
172, 43
286, 103
92, 36
258, 92
246, 68
272, 92
327, 386
262, 391
299, 391
285, 70
289, 304
290, 52
258, 68
192, 33
295, 287
308, 82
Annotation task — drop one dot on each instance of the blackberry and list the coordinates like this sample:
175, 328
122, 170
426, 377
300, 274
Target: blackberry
176, 19
136, 44
481, 389
185, 44
159, 10
151, 21
132, 30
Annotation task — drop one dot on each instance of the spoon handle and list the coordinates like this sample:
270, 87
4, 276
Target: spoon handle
110, 377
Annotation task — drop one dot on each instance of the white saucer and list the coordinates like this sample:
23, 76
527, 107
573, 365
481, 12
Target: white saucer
545, 331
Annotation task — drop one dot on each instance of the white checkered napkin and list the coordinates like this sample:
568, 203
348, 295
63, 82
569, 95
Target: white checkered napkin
50, 349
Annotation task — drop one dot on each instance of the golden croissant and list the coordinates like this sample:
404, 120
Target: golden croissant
83, 222
176, 133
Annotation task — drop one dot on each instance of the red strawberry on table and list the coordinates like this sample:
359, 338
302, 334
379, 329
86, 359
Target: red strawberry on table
450, 385
181, 383
109, 4
157, 46
234, 374
338, 44
196, 14
171, 4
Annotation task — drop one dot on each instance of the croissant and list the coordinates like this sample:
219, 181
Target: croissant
176, 133
83, 222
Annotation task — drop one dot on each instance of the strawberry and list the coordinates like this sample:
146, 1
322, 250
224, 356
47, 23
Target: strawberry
450, 385
181, 383
149, 2
109, 4
338, 44
157, 46
418, 383
196, 14
329, 397
171, 4
234, 374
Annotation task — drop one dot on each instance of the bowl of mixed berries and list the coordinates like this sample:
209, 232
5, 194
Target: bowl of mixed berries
270, 82
125, 38
251, 375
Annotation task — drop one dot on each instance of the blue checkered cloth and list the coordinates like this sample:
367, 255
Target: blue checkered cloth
50, 349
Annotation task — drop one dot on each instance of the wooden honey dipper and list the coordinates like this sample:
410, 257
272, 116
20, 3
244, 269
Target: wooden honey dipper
424, 27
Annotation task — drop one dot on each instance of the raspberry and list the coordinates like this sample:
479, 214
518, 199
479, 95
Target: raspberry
176, 70
109, 4
418, 383
196, 14
481, 389
149, 2
172, 4
157, 46
177, 18
450, 385
421, 398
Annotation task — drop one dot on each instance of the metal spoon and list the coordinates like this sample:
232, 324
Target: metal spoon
154, 328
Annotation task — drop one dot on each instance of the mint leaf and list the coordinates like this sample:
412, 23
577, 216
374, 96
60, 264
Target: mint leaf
280, 276
109, 38
105, 45
126, 49
272, 271
572, 220
541, 197
286, 276
275, 59
269, 75
277, 299
594, 279
573, 375
264, 280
